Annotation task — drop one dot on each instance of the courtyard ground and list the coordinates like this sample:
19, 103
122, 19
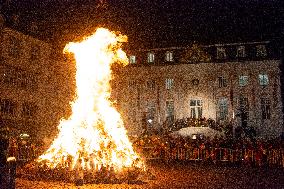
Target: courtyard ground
185, 175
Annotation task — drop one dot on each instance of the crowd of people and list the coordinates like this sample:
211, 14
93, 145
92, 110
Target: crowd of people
198, 122
171, 148
242, 151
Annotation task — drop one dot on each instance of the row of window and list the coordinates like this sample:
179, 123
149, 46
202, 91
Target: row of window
151, 57
221, 54
15, 49
18, 78
243, 108
241, 52
244, 80
196, 109
9, 107
222, 82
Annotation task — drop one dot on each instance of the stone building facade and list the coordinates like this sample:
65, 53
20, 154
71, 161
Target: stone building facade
216, 81
33, 85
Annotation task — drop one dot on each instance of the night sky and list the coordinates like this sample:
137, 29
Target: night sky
156, 23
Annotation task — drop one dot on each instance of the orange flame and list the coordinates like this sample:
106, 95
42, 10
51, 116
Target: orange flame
94, 134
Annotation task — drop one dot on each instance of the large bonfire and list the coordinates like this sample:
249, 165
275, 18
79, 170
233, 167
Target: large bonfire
93, 137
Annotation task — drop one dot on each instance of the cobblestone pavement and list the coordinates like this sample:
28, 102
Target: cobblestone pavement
190, 175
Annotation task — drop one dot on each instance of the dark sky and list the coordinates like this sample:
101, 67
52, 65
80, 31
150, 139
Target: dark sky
157, 23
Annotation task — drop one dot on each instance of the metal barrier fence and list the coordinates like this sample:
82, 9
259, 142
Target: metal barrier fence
266, 157
197, 154
26, 153
270, 157
151, 153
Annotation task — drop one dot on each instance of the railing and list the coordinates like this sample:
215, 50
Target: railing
25, 153
267, 157
270, 157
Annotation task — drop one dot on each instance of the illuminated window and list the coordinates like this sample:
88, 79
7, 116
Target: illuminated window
150, 57
169, 83
169, 56
243, 80
261, 51
221, 53
241, 51
132, 59
196, 108
263, 79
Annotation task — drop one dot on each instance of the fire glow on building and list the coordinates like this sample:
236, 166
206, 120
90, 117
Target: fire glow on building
93, 136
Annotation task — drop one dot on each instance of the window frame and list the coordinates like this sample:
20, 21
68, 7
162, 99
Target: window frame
196, 109
221, 51
8, 107
151, 84
263, 81
169, 56
261, 50
29, 109
170, 105
169, 82
132, 59
151, 110
223, 108
241, 52
242, 81
150, 57
14, 47
35, 52
222, 81
265, 105
244, 104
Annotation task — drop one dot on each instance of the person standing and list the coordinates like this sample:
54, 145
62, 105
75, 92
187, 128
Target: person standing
3, 163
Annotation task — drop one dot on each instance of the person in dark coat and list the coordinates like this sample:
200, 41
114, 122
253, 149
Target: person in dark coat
3, 151
3, 161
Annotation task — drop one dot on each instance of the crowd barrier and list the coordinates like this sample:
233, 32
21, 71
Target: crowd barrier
26, 153
265, 157
270, 157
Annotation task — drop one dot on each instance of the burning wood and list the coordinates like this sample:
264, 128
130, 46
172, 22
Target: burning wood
79, 176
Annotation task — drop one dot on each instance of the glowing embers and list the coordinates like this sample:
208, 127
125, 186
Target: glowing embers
93, 138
